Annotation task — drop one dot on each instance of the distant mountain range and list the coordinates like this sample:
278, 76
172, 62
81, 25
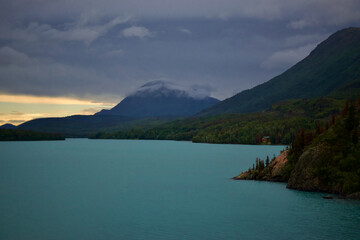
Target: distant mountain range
159, 99
312, 91
152, 104
332, 67
331, 70
77, 125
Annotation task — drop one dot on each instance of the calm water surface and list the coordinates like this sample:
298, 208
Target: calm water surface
120, 189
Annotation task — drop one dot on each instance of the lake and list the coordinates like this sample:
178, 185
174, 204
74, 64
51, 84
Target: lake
128, 189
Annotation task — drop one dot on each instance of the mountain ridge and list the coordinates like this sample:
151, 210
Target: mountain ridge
334, 63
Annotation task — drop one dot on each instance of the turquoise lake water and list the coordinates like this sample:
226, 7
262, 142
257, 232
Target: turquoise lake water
121, 189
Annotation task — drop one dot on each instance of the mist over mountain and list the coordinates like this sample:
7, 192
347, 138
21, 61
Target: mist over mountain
152, 104
159, 87
161, 98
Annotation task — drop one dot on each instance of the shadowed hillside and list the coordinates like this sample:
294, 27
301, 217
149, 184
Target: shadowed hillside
334, 65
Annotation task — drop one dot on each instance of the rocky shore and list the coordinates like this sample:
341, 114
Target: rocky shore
272, 172
302, 177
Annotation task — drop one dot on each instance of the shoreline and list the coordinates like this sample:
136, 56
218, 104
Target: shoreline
274, 172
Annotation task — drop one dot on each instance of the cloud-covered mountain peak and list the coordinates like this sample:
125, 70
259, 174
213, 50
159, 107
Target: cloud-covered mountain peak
163, 98
159, 88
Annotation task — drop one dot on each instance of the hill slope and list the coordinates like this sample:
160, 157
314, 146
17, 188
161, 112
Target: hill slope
326, 159
84, 125
333, 66
159, 98
331, 162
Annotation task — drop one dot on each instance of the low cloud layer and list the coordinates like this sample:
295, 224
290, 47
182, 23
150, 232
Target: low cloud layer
287, 57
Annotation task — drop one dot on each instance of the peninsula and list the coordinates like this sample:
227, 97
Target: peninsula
325, 159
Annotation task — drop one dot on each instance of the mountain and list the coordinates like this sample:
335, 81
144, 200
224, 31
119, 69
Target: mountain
333, 67
159, 98
152, 104
7, 126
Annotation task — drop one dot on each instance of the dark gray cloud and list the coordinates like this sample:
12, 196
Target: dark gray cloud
106, 49
299, 12
83, 29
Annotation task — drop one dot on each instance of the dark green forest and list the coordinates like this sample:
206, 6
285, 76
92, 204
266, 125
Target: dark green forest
281, 123
324, 158
329, 157
24, 135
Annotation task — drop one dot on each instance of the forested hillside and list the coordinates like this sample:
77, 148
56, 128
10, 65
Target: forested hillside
325, 159
280, 123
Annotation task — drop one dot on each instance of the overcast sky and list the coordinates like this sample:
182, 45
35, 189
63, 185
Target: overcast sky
99, 51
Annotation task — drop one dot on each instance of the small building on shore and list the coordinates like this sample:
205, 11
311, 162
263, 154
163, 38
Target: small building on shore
266, 140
